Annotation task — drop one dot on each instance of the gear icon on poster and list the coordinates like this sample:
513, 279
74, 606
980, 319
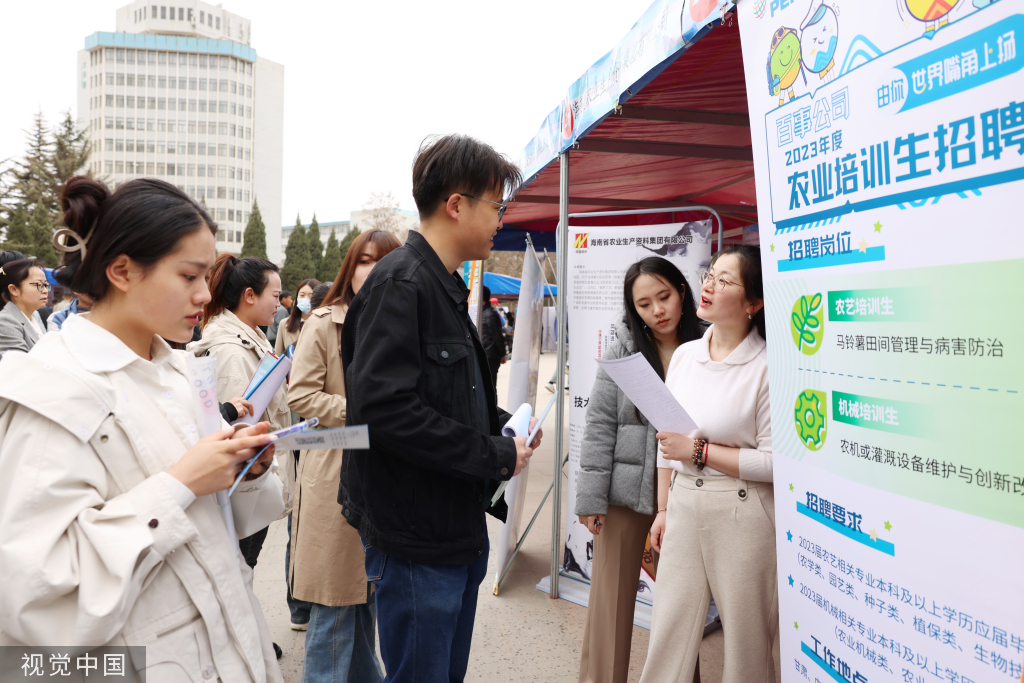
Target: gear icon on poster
811, 414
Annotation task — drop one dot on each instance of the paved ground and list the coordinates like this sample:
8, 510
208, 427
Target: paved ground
521, 635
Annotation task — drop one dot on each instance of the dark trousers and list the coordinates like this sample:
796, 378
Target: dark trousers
493, 364
425, 616
252, 545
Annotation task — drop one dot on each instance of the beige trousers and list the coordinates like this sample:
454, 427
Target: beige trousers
719, 541
618, 551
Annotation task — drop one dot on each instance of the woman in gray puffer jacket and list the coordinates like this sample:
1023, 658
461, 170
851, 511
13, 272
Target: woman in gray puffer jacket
617, 485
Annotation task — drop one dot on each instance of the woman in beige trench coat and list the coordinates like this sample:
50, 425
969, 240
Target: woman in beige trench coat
327, 556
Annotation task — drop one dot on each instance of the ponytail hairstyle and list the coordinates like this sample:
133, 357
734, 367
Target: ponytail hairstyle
295, 317
144, 220
750, 272
689, 327
230, 278
378, 243
14, 273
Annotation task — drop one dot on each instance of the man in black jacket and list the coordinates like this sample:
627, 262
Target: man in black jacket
492, 335
416, 374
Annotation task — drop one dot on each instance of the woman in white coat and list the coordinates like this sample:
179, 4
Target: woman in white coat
244, 295
109, 530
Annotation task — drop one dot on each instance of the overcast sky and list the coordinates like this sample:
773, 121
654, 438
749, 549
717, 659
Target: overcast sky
364, 81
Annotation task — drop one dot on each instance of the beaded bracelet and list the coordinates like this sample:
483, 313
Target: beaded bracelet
699, 456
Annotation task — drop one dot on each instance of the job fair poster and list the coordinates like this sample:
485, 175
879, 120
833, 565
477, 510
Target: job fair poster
889, 150
597, 262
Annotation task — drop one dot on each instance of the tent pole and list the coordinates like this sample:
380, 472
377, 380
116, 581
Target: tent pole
562, 240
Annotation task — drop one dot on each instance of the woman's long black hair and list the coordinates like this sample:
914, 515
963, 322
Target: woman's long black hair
689, 324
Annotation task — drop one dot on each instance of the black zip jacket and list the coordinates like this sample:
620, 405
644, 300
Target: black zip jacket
411, 358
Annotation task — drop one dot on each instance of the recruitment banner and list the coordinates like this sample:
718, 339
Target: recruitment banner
889, 150
597, 261
522, 388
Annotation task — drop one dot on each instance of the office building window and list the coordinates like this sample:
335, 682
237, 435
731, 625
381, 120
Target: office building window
151, 146
129, 145
131, 80
248, 112
161, 58
191, 106
170, 169
234, 87
120, 56
118, 167
182, 83
248, 91
120, 79
161, 103
223, 108
223, 85
191, 171
222, 151
223, 59
202, 148
161, 126
129, 167
202, 105
163, 15
110, 78
192, 148
130, 54
109, 100
231, 215
202, 127
171, 148
108, 166
162, 80
161, 169
248, 68
231, 151
247, 175
152, 81
201, 170
233, 111
109, 122
246, 200
150, 57
231, 193
182, 59
161, 147
181, 105
119, 145
130, 101
109, 144
202, 84
120, 101
110, 54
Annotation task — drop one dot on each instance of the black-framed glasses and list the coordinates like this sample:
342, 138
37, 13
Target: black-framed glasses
501, 207
41, 286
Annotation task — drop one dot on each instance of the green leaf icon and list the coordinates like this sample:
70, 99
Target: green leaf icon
807, 323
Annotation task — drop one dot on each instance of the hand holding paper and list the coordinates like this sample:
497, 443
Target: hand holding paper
641, 384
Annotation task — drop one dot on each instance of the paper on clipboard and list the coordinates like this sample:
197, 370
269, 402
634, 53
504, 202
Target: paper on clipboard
260, 391
356, 436
641, 384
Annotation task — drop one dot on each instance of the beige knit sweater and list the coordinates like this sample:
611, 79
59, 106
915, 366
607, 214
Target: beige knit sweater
728, 400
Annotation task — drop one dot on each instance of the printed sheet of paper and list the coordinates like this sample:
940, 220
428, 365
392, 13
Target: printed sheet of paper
641, 384
357, 436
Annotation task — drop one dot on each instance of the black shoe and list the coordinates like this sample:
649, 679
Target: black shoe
277, 650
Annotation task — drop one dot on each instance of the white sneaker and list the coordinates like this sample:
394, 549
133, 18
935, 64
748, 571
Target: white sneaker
300, 626
550, 386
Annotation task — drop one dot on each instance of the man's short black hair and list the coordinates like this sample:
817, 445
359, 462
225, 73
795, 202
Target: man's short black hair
284, 294
458, 163
486, 291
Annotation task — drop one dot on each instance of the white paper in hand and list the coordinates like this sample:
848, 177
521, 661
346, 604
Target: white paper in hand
519, 423
641, 384
357, 436
263, 390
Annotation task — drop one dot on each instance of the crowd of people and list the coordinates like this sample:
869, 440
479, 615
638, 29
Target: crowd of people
110, 527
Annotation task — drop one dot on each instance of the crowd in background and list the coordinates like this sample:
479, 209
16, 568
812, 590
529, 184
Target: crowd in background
114, 522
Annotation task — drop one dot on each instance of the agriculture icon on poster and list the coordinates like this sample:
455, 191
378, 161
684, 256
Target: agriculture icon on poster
889, 158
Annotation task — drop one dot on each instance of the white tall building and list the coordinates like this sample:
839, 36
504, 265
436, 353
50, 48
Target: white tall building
178, 93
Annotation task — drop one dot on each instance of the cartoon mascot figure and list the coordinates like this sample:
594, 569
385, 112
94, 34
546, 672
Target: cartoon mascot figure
819, 37
934, 13
784, 63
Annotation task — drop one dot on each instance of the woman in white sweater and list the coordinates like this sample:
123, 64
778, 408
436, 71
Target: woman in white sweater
715, 526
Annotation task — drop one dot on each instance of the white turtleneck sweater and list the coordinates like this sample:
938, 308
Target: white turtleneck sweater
728, 399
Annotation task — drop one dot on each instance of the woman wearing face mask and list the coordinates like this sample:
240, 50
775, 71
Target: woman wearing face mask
288, 330
327, 557
617, 483
109, 529
243, 296
717, 535
23, 289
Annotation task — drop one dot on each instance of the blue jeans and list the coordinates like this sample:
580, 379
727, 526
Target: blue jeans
341, 645
425, 615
